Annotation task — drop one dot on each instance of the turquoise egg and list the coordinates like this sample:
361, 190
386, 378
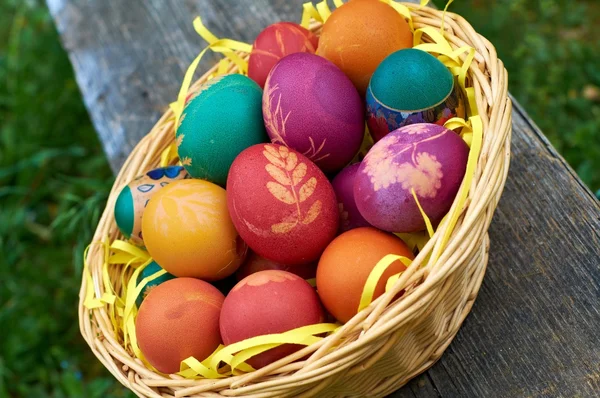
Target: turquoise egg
151, 269
411, 86
133, 198
219, 121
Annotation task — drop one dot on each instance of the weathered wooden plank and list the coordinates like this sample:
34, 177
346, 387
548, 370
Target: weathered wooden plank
533, 331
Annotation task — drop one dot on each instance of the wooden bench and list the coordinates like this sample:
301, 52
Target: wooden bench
534, 330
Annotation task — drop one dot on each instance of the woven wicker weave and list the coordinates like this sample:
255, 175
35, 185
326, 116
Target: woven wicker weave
385, 345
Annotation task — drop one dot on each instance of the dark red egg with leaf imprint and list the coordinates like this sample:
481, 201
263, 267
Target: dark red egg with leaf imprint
281, 204
275, 42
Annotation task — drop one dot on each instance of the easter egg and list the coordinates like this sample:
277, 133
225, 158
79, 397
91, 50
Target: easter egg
281, 203
359, 35
311, 106
269, 302
343, 186
188, 231
179, 319
425, 157
148, 271
221, 120
133, 198
347, 263
275, 42
411, 86
255, 263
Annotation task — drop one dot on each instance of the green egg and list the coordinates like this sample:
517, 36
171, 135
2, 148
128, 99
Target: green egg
124, 212
411, 79
151, 269
221, 120
411, 86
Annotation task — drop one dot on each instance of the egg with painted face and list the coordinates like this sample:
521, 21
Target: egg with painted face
275, 42
343, 185
149, 272
134, 197
425, 158
269, 302
359, 35
281, 203
309, 105
179, 319
411, 86
188, 231
219, 121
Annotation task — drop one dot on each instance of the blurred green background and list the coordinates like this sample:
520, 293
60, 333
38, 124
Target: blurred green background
54, 177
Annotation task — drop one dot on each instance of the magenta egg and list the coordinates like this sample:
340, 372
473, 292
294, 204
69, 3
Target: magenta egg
311, 106
343, 185
426, 158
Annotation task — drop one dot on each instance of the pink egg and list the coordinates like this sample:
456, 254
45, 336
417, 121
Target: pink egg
343, 185
311, 106
425, 157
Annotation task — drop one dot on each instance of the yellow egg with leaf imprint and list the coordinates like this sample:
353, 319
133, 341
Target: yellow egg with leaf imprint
188, 231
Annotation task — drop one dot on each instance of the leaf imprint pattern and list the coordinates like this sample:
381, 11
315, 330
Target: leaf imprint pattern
290, 187
423, 171
275, 122
273, 114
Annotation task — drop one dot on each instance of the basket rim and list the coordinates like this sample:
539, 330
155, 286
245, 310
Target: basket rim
375, 326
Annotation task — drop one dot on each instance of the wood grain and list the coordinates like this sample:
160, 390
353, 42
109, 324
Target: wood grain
535, 327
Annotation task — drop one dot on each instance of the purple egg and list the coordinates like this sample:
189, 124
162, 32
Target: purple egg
343, 185
312, 106
425, 157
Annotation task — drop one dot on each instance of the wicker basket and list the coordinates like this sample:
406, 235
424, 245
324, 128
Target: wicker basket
385, 345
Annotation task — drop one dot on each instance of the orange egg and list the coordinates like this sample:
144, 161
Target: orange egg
179, 319
347, 263
359, 35
188, 231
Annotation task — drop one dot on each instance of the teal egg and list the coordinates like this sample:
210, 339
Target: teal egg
134, 197
151, 269
411, 86
219, 121
124, 212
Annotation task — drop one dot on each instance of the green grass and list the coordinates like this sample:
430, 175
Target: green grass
54, 177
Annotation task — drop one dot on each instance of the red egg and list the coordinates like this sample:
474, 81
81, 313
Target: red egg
178, 319
281, 204
255, 263
275, 42
269, 302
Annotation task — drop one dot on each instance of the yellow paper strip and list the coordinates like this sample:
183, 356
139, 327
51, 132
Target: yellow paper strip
309, 11
375, 275
423, 214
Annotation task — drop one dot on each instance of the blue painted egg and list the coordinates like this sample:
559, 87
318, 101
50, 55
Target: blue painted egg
133, 198
150, 270
219, 121
411, 86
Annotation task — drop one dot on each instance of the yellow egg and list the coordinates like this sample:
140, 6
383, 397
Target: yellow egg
188, 231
